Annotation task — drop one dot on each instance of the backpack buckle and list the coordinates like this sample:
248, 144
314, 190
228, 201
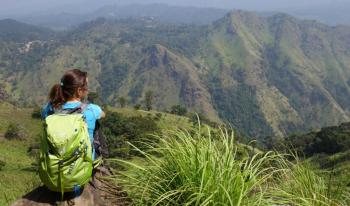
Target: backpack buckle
60, 162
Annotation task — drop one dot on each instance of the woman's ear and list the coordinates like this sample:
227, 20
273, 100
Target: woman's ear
79, 93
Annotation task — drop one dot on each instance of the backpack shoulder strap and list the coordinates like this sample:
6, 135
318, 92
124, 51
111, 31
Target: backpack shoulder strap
83, 106
79, 109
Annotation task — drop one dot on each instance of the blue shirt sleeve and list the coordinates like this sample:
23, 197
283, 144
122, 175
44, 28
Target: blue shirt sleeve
46, 111
92, 113
95, 110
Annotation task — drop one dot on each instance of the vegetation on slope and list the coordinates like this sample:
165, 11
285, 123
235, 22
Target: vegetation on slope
197, 169
18, 169
327, 149
291, 71
184, 165
18, 175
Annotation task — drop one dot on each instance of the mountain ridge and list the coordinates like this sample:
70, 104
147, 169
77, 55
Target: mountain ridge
24, 32
263, 75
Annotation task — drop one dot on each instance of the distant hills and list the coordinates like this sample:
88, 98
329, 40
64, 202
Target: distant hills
67, 17
160, 12
332, 14
264, 75
12, 30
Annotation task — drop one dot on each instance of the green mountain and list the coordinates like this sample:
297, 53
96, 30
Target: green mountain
292, 74
263, 75
12, 30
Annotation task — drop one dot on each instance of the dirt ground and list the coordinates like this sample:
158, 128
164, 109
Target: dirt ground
98, 192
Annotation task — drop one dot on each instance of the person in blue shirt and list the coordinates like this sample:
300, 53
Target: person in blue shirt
69, 94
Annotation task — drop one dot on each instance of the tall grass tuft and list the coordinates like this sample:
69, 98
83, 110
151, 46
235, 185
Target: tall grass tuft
197, 170
300, 185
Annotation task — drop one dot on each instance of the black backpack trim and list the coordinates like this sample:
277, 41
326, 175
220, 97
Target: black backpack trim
100, 143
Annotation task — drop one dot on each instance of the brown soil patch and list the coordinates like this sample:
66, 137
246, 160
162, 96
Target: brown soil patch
98, 192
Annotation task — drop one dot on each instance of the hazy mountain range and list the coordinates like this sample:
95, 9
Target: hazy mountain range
160, 12
264, 75
70, 15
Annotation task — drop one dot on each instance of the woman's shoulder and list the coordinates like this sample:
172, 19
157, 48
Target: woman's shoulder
93, 106
94, 109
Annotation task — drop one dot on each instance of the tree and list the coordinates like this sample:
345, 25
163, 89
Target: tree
94, 97
36, 114
3, 93
149, 99
195, 117
13, 132
121, 130
137, 107
2, 164
121, 101
178, 110
274, 143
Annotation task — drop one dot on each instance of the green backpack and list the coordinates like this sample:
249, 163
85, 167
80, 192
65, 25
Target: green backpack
65, 151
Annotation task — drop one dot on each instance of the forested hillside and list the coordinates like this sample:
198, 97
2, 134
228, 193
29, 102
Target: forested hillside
263, 75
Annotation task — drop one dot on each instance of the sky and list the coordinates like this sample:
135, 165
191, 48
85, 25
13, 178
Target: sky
23, 7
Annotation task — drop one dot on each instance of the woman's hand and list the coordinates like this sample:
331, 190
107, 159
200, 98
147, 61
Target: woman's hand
103, 114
